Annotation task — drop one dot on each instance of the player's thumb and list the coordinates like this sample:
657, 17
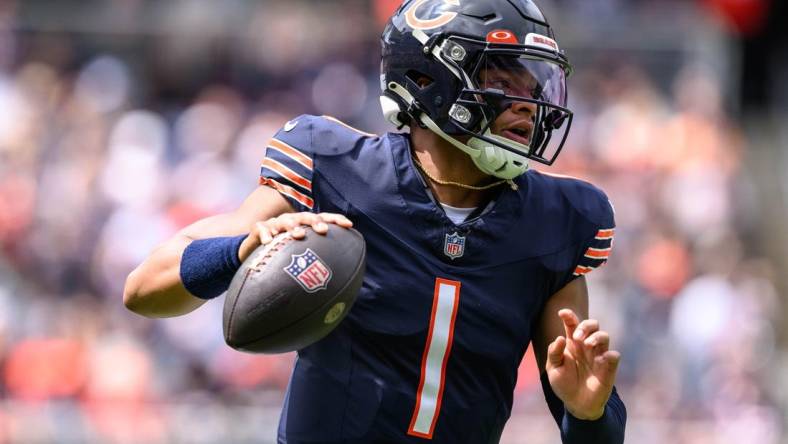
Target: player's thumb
555, 352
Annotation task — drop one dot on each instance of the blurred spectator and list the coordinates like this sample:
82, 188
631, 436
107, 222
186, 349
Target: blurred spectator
120, 130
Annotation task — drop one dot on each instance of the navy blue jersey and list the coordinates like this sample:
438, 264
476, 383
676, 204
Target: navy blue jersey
432, 345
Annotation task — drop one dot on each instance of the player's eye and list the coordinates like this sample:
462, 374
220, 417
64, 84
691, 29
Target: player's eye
499, 84
502, 84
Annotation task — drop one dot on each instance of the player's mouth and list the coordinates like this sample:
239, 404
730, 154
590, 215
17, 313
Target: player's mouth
518, 134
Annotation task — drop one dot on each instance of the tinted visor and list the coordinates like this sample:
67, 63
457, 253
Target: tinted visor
523, 99
525, 78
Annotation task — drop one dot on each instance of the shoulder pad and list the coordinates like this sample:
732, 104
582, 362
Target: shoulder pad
321, 135
588, 200
594, 223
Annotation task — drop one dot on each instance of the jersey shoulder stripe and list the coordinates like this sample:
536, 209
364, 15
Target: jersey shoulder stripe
291, 152
289, 162
282, 170
312, 154
597, 253
289, 191
605, 234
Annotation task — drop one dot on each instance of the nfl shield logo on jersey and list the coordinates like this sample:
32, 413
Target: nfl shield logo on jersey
309, 271
454, 246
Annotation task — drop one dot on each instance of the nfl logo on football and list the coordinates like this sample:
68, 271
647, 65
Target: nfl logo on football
454, 246
309, 271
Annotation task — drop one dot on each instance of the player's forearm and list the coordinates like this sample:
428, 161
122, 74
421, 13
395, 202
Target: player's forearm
154, 289
608, 429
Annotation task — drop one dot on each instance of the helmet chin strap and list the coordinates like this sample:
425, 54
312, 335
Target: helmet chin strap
490, 159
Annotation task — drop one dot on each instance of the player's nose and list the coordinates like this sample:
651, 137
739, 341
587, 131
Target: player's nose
524, 109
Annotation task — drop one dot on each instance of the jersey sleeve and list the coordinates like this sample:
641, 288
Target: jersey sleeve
288, 165
595, 228
596, 250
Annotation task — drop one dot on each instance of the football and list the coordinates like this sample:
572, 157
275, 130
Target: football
290, 293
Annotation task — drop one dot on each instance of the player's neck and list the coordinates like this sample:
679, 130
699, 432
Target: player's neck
444, 162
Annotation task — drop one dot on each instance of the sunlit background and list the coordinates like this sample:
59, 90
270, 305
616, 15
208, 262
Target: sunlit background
121, 121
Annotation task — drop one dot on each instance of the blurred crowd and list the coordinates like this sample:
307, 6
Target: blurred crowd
110, 143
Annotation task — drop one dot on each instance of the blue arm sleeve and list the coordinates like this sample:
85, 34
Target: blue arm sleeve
609, 429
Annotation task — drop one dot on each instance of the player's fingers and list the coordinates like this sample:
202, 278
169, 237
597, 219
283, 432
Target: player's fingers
319, 224
608, 366
321, 221
273, 226
288, 222
294, 223
305, 218
299, 220
570, 320
297, 232
338, 219
585, 328
320, 227
263, 232
598, 341
555, 352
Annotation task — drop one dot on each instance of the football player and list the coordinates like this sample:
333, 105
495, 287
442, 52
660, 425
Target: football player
471, 257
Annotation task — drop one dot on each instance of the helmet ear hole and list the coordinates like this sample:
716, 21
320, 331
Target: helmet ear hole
419, 79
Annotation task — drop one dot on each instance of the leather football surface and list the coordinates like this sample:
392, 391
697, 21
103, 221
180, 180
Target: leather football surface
291, 293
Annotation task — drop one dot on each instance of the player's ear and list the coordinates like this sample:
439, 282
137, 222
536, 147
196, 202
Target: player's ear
420, 79
423, 81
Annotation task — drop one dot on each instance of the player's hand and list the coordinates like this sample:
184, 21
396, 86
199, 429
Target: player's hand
580, 367
264, 231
